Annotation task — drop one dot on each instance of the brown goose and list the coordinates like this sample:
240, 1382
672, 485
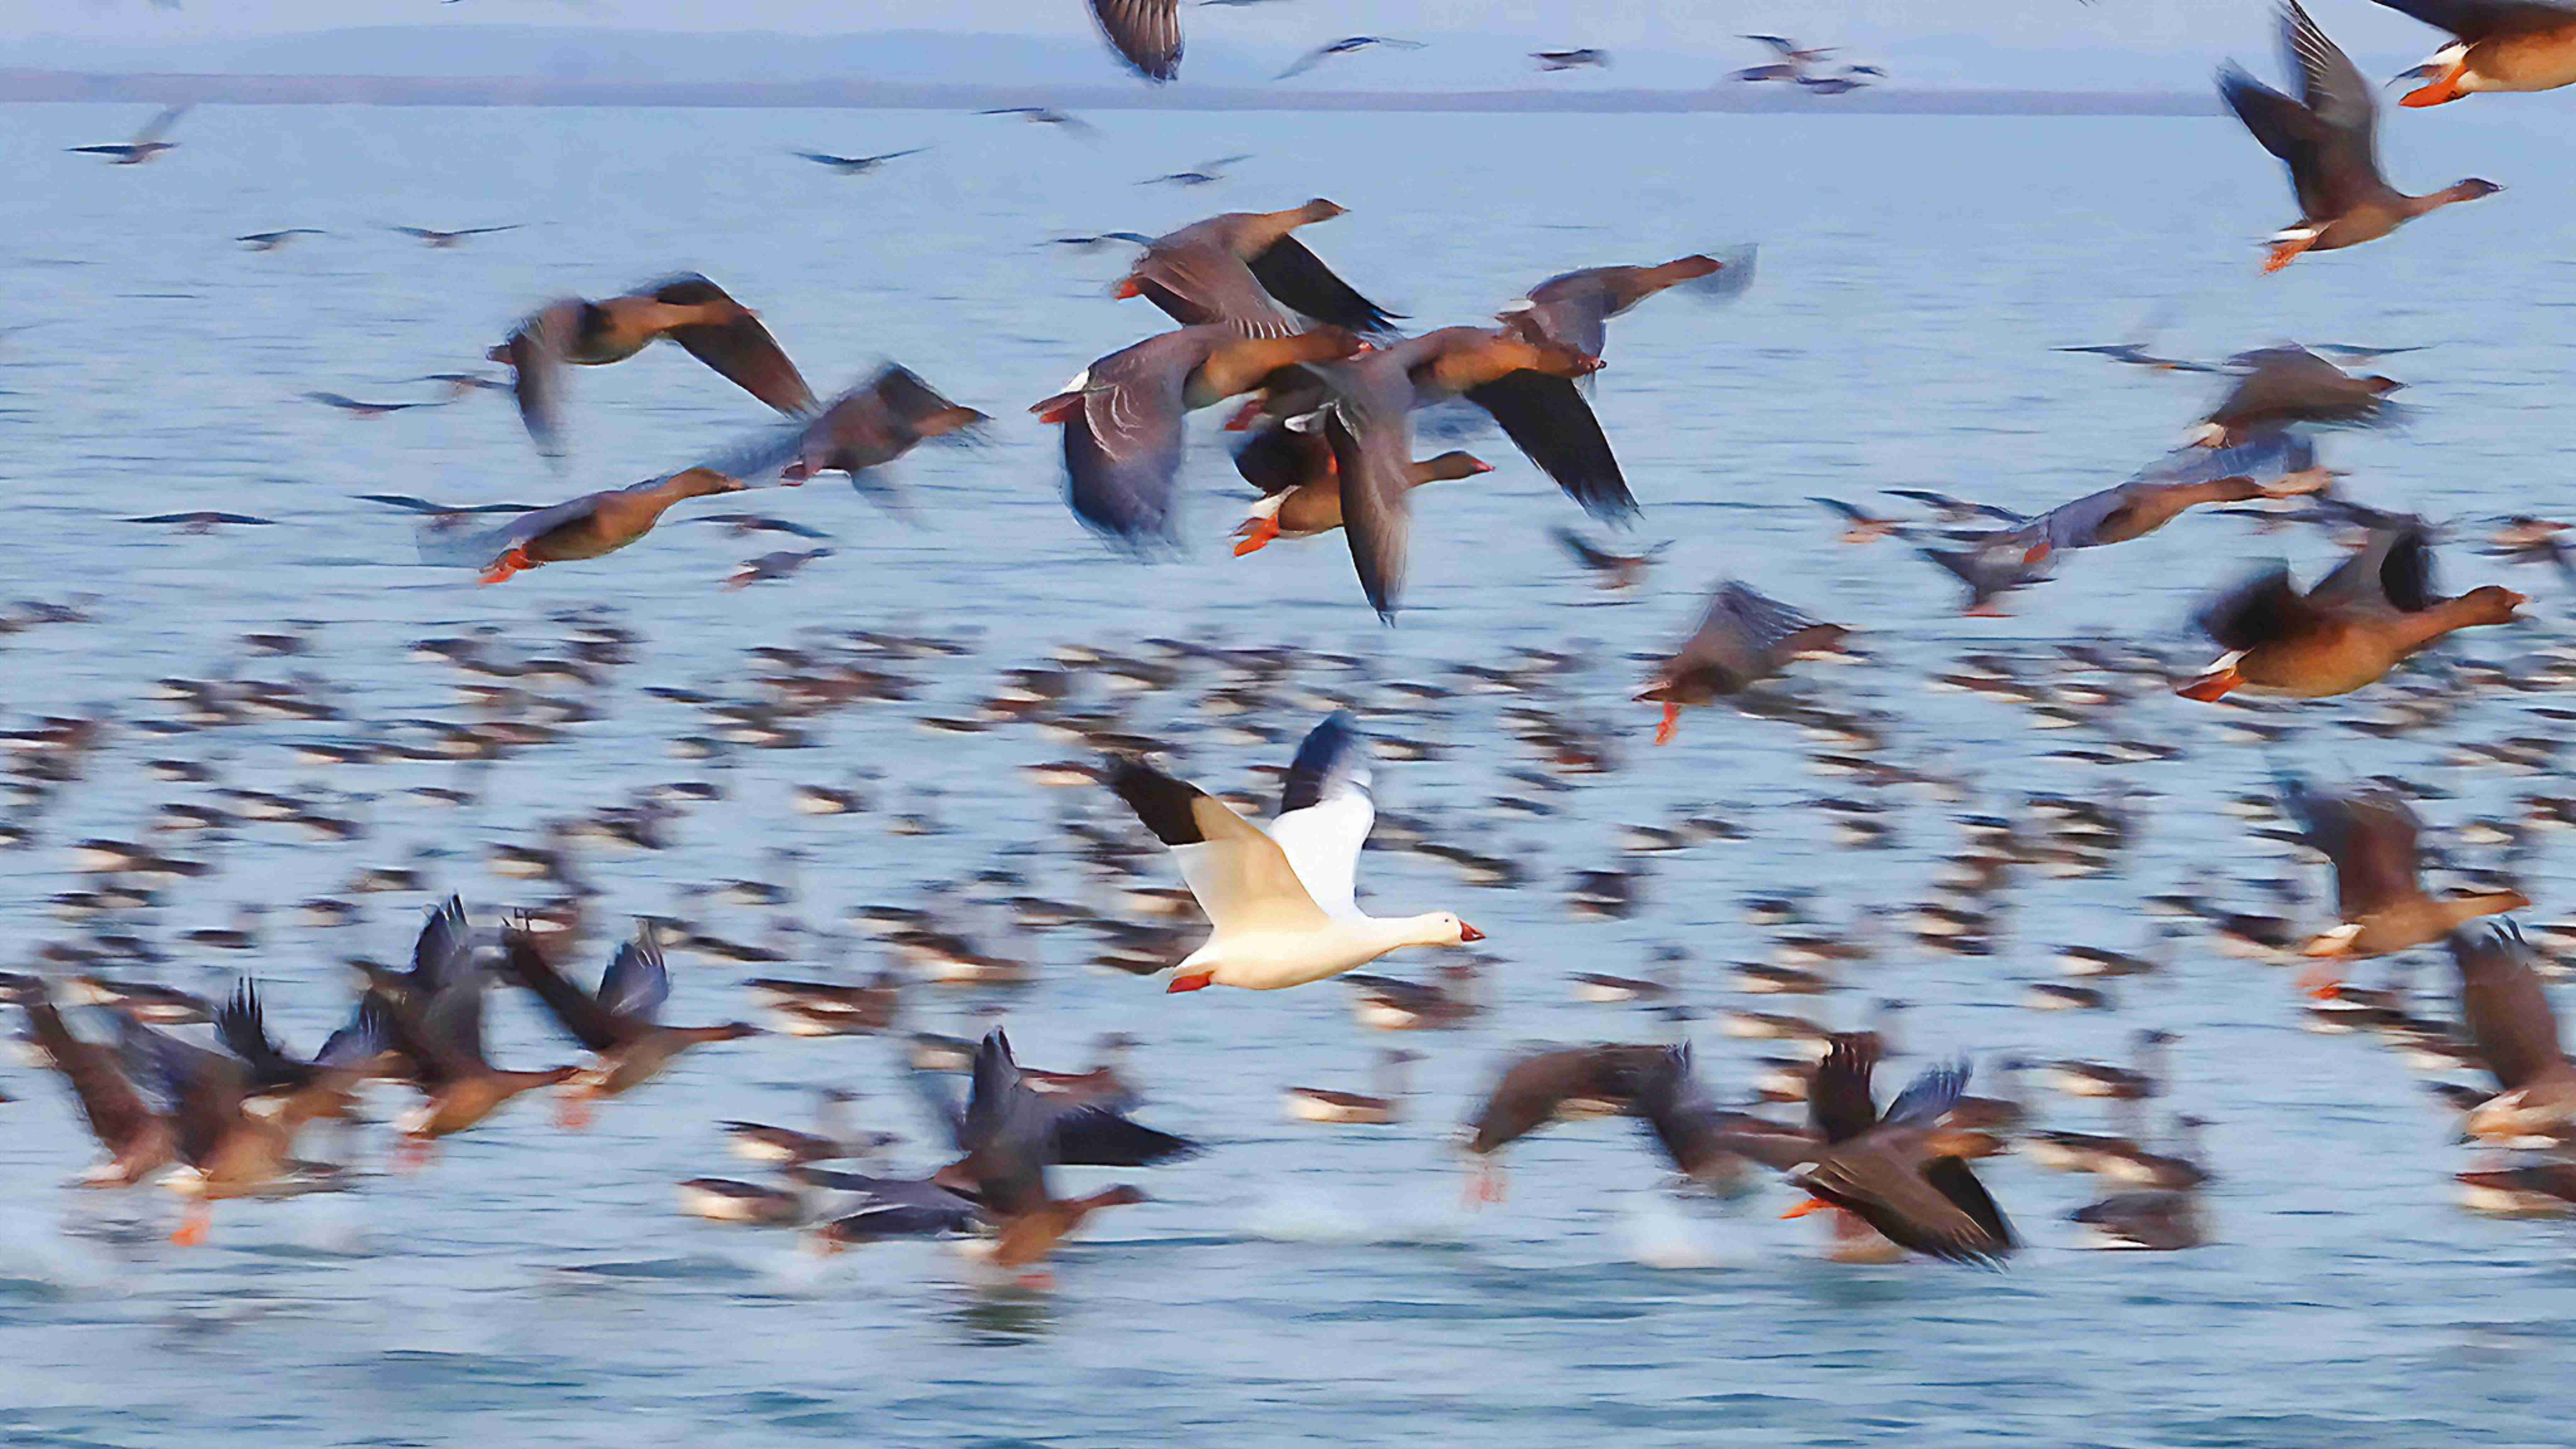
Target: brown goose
432, 1016
1611, 572
2327, 140
139, 1140
2503, 45
2140, 507
590, 526
1575, 308
1242, 266
1011, 1134
620, 1022
227, 1150
1886, 1171
870, 426
2370, 837
2277, 387
1122, 416
688, 309
2514, 1031
1528, 388
1302, 488
2376, 610
1742, 639
1563, 1085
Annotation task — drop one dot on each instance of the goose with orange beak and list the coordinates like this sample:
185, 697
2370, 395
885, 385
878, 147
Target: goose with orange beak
2327, 138
1301, 485
1281, 902
1891, 1171
2503, 45
1744, 638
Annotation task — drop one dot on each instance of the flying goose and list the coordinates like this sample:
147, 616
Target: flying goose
697, 314
1281, 904
2328, 140
1885, 1169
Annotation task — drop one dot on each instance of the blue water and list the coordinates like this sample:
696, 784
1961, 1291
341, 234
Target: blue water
1296, 1284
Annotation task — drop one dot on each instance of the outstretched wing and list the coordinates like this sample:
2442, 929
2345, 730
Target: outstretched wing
1241, 877
739, 348
1325, 812
1301, 281
1547, 418
1145, 33
636, 982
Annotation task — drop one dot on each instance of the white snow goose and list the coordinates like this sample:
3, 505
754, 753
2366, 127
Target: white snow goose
1281, 903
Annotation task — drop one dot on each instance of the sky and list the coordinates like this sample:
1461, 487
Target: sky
2216, 27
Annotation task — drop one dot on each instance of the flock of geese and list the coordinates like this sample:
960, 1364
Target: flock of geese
1325, 387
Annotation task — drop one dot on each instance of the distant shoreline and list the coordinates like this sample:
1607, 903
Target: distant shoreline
298, 90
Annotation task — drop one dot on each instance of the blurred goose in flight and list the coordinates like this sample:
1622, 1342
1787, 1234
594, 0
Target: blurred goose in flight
1850, 78
590, 526
1011, 1134
2135, 354
2514, 1031
2280, 387
139, 1140
226, 1149
1611, 572
269, 241
1281, 904
2327, 139
874, 424
688, 309
147, 143
356, 409
1045, 116
1887, 1170
1793, 62
2502, 45
1145, 33
202, 521
1555, 60
1347, 45
1122, 417
1526, 386
1742, 639
1554, 1085
2144, 504
777, 564
1206, 173
2370, 837
446, 240
857, 165
621, 1022
432, 1015
1302, 487
2377, 609
1241, 267
1575, 307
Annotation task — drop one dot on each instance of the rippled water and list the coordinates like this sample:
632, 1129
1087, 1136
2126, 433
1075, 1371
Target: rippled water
1294, 1283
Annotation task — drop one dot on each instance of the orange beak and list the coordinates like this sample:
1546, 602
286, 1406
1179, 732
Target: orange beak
1811, 1205
1469, 933
1195, 981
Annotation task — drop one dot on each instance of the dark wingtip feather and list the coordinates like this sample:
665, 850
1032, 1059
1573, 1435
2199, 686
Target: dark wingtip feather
1159, 800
